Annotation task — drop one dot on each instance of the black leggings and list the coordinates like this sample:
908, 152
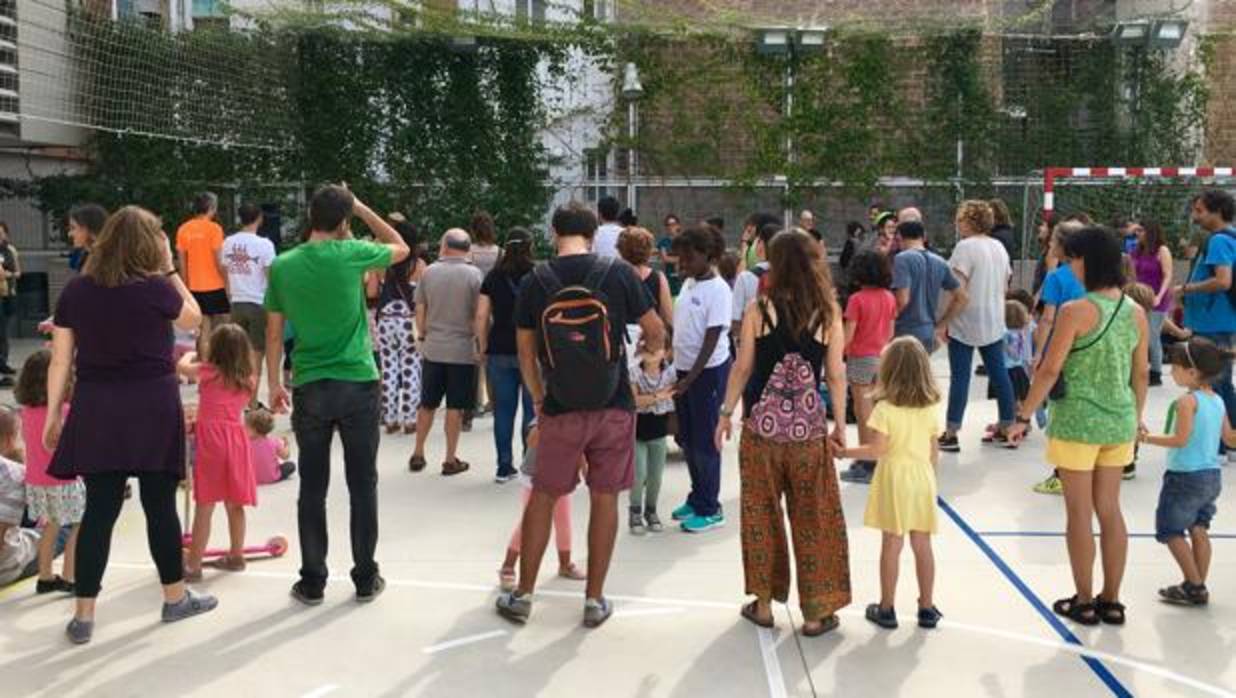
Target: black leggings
104, 497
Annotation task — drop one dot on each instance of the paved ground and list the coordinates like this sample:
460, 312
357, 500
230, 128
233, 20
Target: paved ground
677, 631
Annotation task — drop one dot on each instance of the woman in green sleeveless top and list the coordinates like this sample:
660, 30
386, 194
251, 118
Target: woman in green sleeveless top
1099, 346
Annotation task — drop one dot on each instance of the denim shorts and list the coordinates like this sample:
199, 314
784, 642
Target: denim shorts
1186, 500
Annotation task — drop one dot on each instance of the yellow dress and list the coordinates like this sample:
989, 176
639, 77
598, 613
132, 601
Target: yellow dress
903, 489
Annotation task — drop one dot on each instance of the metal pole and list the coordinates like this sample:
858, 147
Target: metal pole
631, 132
789, 132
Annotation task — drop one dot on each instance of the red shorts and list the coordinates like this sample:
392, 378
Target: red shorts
605, 438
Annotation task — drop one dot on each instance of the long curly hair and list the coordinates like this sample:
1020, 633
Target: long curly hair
798, 282
230, 353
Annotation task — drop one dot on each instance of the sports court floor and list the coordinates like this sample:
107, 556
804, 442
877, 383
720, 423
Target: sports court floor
1000, 562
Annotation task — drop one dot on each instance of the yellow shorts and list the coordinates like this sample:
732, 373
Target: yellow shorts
1074, 455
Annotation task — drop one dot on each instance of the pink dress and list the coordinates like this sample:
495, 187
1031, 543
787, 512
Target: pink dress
265, 451
224, 468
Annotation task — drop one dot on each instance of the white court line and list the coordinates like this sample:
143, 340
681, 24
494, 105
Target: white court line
648, 612
468, 640
772, 664
696, 603
321, 691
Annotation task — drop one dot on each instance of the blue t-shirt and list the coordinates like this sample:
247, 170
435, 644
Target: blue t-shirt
1212, 313
1201, 452
925, 274
1061, 286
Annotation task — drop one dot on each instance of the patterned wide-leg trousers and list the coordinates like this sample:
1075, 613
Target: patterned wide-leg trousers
401, 365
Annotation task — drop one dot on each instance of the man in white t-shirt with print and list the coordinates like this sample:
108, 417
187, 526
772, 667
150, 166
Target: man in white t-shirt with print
247, 257
605, 244
702, 361
981, 265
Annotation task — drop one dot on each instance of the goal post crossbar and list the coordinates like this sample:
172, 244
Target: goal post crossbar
1051, 174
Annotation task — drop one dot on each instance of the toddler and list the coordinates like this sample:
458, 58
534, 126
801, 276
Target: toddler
270, 453
869, 316
652, 381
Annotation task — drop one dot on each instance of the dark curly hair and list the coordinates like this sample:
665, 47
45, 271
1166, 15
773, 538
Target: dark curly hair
31, 390
870, 268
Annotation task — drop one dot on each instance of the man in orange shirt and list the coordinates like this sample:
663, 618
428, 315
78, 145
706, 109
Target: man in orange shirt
199, 245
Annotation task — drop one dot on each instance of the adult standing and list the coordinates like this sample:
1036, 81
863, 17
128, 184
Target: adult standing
854, 233
1099, 349
795, 320
85, 222
397, 354
605, 242
635, 248
919, 277
495, 333
750, 232
199, 244
665, 250
1046, 262
1206, 296
606, 436
485, 251
981, 265
1002, 225
446, 300
10, 273
885, 230
113, 332
747, 286
1153, 266
318, 287
247, 257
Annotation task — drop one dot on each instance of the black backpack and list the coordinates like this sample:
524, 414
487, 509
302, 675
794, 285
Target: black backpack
581, 362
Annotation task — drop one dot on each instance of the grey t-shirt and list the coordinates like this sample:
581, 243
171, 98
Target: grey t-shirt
925, 274
449, 290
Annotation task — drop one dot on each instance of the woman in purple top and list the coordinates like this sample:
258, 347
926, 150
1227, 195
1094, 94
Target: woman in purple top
1152, 265
113, 329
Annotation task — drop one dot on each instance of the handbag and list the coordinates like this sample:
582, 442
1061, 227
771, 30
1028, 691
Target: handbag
1060, 389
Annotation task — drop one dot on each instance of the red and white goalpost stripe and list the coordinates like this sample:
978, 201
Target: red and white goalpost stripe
1051, 174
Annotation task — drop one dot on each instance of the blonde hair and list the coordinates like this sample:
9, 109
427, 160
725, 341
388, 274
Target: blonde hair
260, 420
1016, 315
905, 378
978, 215
131, 246
1141, 294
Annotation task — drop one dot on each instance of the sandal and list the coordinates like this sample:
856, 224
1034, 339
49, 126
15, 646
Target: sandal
1110, 612
748, 612
192, 576
416, 463
1078, 612
1185, 594
454, 467
572, 572
227, 563
827, 624
392, 429
506, 579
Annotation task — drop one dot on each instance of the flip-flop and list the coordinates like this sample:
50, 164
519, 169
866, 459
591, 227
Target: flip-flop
827, 625
748, 612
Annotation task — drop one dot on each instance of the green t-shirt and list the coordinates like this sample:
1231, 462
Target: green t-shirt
319, 287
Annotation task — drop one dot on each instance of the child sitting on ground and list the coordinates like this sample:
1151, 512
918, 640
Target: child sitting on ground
903, 426
1192, 482
562, 523
652, 381
51, 502
18, 546
223, 464
270, 453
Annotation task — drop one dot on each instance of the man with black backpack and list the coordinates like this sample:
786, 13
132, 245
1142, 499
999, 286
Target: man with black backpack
570, 325
1209, 297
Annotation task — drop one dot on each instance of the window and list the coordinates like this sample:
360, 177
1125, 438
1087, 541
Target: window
530, 10
596, 173
595, 9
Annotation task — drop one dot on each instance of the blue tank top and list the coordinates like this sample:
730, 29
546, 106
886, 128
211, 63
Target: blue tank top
1202, 450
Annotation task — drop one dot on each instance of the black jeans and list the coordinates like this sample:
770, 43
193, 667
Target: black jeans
318, 410
8, 306
104, 498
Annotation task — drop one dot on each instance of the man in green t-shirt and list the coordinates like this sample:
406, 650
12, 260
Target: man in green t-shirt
318, 286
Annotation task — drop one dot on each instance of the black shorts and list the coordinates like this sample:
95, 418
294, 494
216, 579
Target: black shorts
457, 382
212, 302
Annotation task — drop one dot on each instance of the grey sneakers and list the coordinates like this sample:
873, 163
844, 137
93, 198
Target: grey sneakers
597, 611
80, 631
190, 605
515, 607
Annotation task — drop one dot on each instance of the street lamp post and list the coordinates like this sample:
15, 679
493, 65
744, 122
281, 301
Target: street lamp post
632, 92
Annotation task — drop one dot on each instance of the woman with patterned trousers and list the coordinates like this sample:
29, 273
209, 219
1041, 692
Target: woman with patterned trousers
400, 361
790, 334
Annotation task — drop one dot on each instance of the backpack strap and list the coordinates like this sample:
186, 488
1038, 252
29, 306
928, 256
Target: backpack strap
600, 270
548, 279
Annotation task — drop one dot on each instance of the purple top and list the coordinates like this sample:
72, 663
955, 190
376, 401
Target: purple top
1149, 271
126, 413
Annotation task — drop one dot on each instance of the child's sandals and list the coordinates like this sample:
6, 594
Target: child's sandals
1110, 612
506, 579
1084, 613
572, 572
228, 563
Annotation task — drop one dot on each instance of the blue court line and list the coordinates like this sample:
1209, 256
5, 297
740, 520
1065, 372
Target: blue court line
1100, 670
1060, 534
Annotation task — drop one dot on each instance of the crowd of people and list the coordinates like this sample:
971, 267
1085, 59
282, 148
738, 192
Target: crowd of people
615, 347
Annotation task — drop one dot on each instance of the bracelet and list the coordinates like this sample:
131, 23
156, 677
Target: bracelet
1021, 420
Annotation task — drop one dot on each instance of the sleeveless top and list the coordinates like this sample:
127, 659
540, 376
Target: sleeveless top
395, 285
1201, 452
770, 349
1148, 271
653, 283
1099, 407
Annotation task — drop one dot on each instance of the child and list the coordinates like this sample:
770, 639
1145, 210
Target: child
52, 502
270, 453
1143, 295
652, 381
869, 315
702, 362
562, 523
1018, 356
18, 546
904, 426
1192, 482
223, 469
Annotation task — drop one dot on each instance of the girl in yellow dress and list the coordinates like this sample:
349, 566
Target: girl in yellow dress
904, 426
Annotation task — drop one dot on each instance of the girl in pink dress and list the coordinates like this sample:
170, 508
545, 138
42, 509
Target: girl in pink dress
223, 471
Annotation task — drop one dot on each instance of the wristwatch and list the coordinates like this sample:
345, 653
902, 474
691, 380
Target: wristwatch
727, 412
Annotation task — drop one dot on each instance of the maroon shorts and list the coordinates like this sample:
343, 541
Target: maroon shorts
605, 438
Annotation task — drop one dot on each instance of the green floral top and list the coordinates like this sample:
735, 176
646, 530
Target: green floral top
1099, 407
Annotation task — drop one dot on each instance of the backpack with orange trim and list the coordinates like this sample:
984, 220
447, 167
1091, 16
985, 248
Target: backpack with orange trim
581, 363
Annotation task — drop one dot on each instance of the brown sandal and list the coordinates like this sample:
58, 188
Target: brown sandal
227, 563
827, 624
749, 612
416, 463
454, 467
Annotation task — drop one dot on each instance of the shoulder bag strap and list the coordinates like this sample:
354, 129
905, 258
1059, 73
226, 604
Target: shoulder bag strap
1106, 327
